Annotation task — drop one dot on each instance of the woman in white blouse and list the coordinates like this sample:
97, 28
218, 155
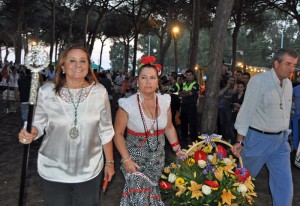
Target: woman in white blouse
73, 113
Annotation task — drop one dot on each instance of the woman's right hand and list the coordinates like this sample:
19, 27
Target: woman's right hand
26, 137
131, 166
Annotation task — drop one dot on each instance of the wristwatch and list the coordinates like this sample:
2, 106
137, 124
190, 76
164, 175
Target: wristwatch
240, 142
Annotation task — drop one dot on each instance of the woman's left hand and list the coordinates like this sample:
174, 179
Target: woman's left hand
109, 171
181, 154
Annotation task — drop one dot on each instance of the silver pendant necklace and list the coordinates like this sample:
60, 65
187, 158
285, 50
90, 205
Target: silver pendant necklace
74, 132
280, 93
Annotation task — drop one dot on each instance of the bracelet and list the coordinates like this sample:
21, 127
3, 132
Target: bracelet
109, 165
240, 142
110, 162
175, 144
125, 160
178, 150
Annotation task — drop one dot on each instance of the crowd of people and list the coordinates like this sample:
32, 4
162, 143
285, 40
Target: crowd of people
232, 91
73, 114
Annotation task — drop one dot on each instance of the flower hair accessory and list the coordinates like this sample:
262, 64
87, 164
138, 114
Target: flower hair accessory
151, 60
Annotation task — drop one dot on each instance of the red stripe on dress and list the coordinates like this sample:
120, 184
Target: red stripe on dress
143, 190
143, 134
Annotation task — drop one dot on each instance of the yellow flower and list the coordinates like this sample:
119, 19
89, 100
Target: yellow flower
181, 189
227, 197
163, 177
249, 184
195, 189
219, 173
208, 148
167, 170
233, 160
214, 160
174, 166
190, 161
229, 166
179, 181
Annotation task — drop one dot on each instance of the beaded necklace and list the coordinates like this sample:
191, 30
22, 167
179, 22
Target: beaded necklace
74, 132
151, 131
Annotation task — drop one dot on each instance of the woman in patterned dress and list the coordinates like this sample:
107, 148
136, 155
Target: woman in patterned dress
147, 117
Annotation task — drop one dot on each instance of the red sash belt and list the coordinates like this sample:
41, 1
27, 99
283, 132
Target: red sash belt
146, 135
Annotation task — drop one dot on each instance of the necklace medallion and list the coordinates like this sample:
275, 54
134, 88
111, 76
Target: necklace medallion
74, 133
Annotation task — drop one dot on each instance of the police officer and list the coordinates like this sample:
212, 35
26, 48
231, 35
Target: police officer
173, 91
188, 114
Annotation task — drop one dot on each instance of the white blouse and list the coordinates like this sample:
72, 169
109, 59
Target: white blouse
61, 158
135, 123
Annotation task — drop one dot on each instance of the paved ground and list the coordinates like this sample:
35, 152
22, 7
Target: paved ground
11, 153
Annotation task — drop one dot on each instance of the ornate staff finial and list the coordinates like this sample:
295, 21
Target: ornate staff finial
36, 60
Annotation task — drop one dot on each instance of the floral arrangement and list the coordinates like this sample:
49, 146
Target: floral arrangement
209, 176
151, 60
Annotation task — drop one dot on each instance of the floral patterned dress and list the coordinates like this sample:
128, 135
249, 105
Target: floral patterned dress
141, 187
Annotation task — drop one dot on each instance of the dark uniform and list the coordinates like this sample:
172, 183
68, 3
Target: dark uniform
175, 101
188, 114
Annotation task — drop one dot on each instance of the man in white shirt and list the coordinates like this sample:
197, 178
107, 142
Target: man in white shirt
119, 80
263, 126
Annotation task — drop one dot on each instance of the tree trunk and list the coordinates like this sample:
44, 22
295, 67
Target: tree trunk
126, 54
6, 53
53, 31
70, 37
94, 35
194, 39
18, 42
210, 112
86, 22
101, 51
234, 47
236, 32
164, 46
134, 50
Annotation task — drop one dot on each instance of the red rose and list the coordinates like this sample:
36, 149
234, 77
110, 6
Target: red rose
158, 67
200, 155
165, 185
242, 174
222, 151
147, 59
212, 184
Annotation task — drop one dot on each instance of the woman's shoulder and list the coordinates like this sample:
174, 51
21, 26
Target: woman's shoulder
128, 102
47, 86
164, 98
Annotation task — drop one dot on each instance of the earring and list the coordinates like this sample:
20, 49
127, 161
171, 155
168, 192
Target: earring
158, 91
138, 89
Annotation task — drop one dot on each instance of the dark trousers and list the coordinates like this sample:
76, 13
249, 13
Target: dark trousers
188, 117
175, 106
72, 194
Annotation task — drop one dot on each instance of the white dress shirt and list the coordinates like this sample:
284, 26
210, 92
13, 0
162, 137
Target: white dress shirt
261, 106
